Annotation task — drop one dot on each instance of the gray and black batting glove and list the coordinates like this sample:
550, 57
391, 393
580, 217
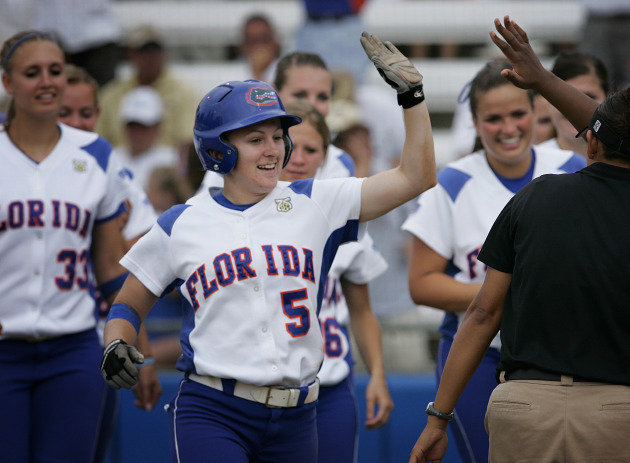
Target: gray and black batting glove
118, 366
395, 68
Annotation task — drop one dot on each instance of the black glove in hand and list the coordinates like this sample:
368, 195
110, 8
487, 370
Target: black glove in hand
118, 366
391, 64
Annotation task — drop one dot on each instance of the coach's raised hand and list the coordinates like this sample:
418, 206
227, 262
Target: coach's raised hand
529, 72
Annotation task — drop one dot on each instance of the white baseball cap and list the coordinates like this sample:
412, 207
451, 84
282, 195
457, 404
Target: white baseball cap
142, 105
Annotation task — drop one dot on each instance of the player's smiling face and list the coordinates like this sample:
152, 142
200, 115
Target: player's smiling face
37, 78
308, 83
504, 122
79, 107
260, 156
308, 153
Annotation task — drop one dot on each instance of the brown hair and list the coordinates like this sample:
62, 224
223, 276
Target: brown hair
309, 114
488, 78
168, 180
295, 59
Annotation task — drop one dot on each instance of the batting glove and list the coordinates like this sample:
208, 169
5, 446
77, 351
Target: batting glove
395, 68
118, 366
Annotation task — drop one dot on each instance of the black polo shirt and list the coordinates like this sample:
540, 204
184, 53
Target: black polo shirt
566, 241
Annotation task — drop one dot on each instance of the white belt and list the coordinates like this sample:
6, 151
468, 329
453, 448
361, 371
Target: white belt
270, 396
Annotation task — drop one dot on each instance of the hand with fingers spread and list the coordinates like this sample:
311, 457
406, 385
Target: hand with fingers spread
528, 70
395, 68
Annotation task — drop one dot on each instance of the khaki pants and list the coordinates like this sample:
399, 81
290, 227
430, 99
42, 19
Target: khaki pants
531, 421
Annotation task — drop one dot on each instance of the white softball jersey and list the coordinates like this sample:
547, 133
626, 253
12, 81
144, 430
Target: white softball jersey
47, 213
454, 217
358, 262
253, 280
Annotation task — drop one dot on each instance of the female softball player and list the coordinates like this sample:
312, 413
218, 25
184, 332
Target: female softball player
303, 79
249, 260
305, 76
61, 191
451, 222
345, 304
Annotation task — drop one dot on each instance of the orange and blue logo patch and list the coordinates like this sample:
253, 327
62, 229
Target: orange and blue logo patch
262, 96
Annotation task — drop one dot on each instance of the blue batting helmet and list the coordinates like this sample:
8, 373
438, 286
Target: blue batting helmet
230, 106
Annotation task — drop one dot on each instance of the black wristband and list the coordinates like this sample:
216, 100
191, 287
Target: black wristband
411, 97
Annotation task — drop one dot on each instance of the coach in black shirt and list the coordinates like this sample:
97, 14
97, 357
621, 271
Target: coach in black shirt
558, 287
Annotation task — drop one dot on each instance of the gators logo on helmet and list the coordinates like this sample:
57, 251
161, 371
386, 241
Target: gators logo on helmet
262, 96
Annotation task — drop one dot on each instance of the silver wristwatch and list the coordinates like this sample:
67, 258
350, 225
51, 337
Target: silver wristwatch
443, 416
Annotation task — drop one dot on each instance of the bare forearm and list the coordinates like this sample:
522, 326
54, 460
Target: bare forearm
366, 330
417, 161
120, 329
365, 327
576, 106
135, 295
142, 341
480, 326
468, 349
415, 174
443, 292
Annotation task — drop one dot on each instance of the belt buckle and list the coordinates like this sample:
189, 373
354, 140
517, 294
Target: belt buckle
270, 391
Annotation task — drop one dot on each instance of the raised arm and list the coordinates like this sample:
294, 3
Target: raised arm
417, 171
528, 72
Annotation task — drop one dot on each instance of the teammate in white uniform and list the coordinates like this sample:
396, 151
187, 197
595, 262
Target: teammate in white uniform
80, 109
354, 266
249, 260
452, 220
61, 191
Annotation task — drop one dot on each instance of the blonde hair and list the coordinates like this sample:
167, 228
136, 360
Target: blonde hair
78, 75
8, 49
